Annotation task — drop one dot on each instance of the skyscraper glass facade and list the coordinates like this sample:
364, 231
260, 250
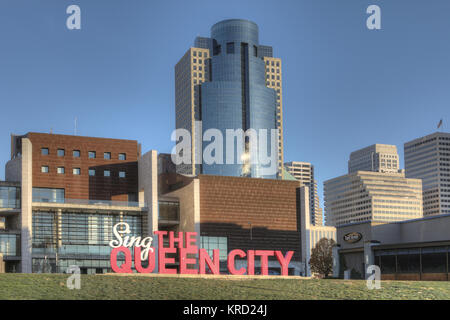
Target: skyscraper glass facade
237, 96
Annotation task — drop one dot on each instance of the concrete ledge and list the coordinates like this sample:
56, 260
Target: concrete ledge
206, 276
86, 207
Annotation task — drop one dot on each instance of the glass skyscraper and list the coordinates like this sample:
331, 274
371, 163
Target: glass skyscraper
225, 82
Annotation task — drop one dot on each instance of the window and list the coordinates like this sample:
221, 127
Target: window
76, 153
48, 195
44, 169
76, 171
230, 47
216, 50
61, 152
106, 173
92, 154
61, 170
107, 155
91, 172
434, 260
9, 197
211, 243
122, 174
44, 151
408, 261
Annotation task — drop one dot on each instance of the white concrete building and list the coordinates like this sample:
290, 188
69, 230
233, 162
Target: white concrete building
377, 158
372, 196
304, 172
428, 158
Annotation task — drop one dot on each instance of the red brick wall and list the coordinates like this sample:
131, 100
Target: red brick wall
228, 204
83, 186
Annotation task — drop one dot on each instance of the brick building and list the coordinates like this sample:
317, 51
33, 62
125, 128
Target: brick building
64, 194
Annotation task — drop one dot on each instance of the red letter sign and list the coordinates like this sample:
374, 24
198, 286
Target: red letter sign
230, 261
126, 266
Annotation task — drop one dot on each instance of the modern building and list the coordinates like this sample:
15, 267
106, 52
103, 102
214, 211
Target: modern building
304, 172
428, 158
64, 194
376, 158
372, 196
375, 189
405, 250
231, 82
72, 191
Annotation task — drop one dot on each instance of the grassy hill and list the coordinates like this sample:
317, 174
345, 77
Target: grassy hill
53, 286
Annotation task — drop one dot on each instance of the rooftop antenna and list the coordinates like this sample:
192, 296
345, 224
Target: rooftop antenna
75, 128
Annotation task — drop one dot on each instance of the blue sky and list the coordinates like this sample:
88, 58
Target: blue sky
344, 86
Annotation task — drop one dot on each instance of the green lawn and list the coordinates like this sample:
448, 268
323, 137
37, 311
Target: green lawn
52, 286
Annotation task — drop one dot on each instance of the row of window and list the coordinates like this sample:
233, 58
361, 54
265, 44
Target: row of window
272, 63
200, 54
77, 171
77, 154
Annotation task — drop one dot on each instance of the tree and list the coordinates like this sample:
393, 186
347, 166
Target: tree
321, 261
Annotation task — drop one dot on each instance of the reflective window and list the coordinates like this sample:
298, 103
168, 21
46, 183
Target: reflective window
107, 173
76, 153
434, 260
230, 47
8, 244
61, 170
91, 154
44, 169
48, 195
107, 155
168, 210
122, 156
408, 261
61, 152
76, 171
211, 243
91, 172
9, 197
122, 174
44, 151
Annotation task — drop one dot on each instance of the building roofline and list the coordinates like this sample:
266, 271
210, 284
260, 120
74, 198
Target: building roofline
428, 136
75, 136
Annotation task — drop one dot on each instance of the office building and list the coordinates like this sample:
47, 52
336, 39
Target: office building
428, 158
304, 172
230, 81
376, 158
372, 196
311, 234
